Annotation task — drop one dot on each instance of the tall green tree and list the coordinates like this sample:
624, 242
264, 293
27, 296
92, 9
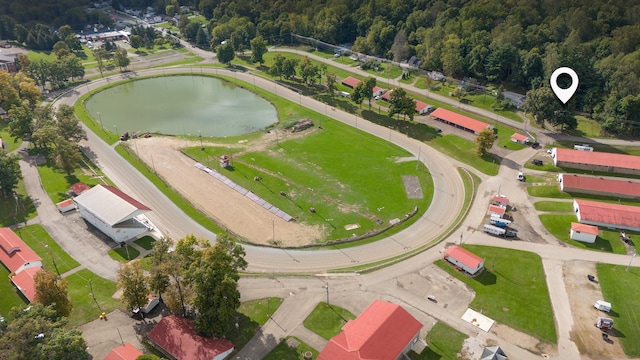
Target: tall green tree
40, 334
331, 83
133, 282
67, 155
159, 279
52, 290
258, 49
101, 56
369, 83
225, 53
277, 68
401, 103
121, 59
359, 94
542, 104
214, 278
484, 141
10, 173
308, 71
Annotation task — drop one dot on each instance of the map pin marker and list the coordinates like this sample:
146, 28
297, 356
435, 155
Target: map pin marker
564, 94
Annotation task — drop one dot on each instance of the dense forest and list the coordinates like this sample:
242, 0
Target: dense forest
514, 43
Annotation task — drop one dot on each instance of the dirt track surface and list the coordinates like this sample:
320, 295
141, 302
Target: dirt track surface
215, 199
582, 295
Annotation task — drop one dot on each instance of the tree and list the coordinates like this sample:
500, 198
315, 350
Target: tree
225, 53
22, 126
331, 83
22, 339
10, 174
179, 292
484, 141
9, 95
214, 278
308, 71
289, 68
170, 10
201, 38
159, 279
100, 55
400, 47
359, 94
52, 290
369, 83
133, 282
67, 155
121, 59
277, 69
61, 49
136, 41
542, 104
29, 92
258, 49
401, 103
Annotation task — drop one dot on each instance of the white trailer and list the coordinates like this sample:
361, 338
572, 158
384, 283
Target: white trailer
602, 305
502, 223
494, 230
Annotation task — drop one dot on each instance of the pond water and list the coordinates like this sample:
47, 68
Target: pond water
180, 105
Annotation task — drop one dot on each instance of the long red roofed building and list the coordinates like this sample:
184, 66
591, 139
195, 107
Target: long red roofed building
596, 161
351, 82
124, 352
599, 186
460, 121
384, 331
464, 259
21, 260
176, 337
607, 215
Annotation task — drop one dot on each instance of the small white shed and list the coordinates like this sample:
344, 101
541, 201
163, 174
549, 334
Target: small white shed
66, 206
464, 259
583, 232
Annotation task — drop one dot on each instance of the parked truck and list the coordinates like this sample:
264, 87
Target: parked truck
602, 305
494, 230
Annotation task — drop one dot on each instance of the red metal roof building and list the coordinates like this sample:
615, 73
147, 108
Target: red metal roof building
124, 352
599, 186
607, 215
176, 337
501, 200
497, 209
383, 331
583, 232
596, 161
423, 107
519, 138
464, 259
78, 188
386, 96
460, 121
22, 262
351, 82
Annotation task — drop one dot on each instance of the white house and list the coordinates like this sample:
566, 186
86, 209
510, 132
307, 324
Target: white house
66, 206
113, 212
464, 259
583, 232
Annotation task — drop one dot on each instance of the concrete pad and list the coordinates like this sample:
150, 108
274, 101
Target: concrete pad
475, 318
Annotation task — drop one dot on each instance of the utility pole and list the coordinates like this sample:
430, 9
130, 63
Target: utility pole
632, 256
327, 288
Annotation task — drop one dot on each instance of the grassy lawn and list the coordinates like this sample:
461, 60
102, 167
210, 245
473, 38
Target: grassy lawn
621, 289
443, 342
145, 242
251, 316
85, 306
511, 292
41, 242
11, 297
8, 142
284, 352
465, 151
327, 321
553, 206
560, 226
548, 191
56, 182
124, 254
586, 128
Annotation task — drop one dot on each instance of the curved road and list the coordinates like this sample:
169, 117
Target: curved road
446, 205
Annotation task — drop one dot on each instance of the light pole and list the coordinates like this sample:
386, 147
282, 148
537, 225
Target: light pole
100, 118
116, 127
326, 287
273, 231
53, 260
200, 136
630, 260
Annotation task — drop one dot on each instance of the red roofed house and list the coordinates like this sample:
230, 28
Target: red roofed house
464, 259
113, 212
596, 161
350, 82
124, 352
497, 210
176, 337
583, 232
607, 215
387, 96
66, 206
422, 107
21, 261
519, 138
599, 186
384, 331
378, 91
78, 188
501, 201
460, 121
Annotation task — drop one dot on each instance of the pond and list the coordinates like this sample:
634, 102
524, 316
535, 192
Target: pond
180, 105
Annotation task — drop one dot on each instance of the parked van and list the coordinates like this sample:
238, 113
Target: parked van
583, 147
345, 94
521, 176
494, 230
602, 305
604, 323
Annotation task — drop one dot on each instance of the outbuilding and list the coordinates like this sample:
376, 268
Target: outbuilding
21, 261
66, 206
608, 215
616, 188
520, 139
501, 201
596, 161
423, 108
497, 211
583, 232
460, 121
464, 259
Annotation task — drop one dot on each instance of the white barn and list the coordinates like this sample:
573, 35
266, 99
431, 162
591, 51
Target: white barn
583, 232
113, 212
464, 259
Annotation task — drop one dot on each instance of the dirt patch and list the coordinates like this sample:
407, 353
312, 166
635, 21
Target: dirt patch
523, 340
412, 186
215, 199
582, 294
